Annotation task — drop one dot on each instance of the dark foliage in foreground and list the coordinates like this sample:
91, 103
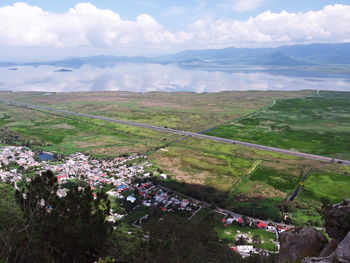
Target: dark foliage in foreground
47, 228
54, 229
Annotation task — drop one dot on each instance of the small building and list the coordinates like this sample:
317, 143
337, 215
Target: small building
261, 224
131, 199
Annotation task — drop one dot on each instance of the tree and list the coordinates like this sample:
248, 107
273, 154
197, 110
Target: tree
241, 241
256, 239
10, 224
175, 240
68, 229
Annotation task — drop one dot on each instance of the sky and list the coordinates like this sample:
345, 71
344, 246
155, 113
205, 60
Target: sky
45, 29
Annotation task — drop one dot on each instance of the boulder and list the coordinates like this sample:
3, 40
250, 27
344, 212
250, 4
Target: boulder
329, 248
299, 243
338, 220
340, 255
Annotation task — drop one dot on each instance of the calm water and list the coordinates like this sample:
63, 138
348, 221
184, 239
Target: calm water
44, 156
153, 77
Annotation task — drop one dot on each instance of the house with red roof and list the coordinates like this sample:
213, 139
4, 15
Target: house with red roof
261, 224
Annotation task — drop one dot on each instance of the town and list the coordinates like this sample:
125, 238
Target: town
129, 181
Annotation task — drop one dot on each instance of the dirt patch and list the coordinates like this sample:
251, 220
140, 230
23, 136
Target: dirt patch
211, 160
329, 125
264, 191
292, 167
174, 165
215, 110
260, 191
197, 178
115, 150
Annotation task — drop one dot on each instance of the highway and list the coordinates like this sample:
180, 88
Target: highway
184, 133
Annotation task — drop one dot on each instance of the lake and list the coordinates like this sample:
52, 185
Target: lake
46, 156
157, 77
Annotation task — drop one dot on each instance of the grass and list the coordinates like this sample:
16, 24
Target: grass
229, 233
183, 110
335, 187
9, 209
67, 135
248, 180
314, 124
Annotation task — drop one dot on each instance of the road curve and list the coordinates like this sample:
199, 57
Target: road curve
184, 133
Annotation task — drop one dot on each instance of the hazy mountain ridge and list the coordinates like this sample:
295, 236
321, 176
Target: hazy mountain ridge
295, 55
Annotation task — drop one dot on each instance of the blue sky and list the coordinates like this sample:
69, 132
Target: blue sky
44, 28
177, 14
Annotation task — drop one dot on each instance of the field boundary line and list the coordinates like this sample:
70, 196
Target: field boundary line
247, 175
184, 133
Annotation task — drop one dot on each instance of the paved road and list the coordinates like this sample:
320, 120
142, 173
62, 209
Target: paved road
184, 133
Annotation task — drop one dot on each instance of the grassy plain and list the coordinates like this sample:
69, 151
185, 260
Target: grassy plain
318, 124
65, 135
246, 180
183, 110
251, 181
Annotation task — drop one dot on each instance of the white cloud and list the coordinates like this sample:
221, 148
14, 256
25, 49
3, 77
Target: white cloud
331, 24
242, 5
85, 26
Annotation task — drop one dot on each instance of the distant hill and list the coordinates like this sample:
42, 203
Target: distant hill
99, 61
294, 55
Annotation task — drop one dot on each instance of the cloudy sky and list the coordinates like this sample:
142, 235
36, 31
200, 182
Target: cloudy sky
47, 29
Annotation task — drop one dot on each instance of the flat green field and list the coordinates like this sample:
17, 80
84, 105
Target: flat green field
318, 124
65, 135
182, 110
250, 181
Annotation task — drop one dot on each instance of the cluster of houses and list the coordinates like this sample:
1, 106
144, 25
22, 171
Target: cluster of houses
247, 250
14, 159
95, 172
149, 195
119, 173
260, 224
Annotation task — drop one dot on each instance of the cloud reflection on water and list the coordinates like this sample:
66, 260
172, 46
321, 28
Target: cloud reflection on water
155, 77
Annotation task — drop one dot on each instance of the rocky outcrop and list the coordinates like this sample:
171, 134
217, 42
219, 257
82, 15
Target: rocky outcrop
310, 246
340, 255
329, 248
338, 220
300, 243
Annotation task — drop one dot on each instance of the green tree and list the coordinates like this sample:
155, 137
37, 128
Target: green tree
68, 229
256, 239
176, 240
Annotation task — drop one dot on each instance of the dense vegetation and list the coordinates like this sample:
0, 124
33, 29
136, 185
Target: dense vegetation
249, 181
39, 226
53, 229
317, 124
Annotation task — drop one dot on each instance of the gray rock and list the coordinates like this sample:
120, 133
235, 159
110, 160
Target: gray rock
340, 255
318, 260
338, 220
299, 243
329, 248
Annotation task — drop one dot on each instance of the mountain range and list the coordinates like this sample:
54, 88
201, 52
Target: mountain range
291, 56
